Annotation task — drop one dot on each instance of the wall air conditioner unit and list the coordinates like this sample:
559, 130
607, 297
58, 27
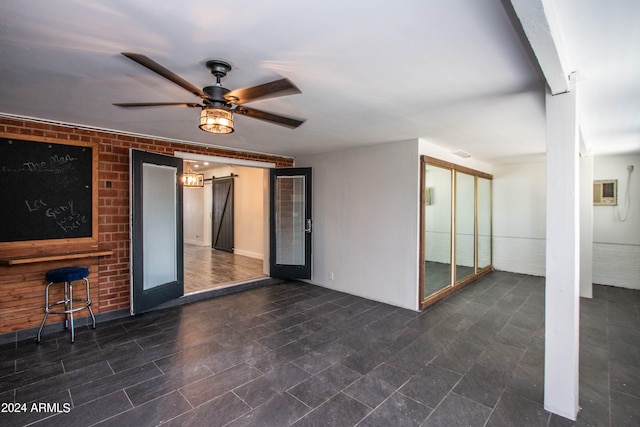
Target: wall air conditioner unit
605, 192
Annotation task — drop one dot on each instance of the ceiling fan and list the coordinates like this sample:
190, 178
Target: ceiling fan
219, 103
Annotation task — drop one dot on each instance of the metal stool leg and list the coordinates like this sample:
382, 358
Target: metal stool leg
46, 310
93, 318
70, 314
66, 305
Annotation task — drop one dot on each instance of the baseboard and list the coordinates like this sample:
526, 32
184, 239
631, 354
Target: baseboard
195, 242
52, 328
249, 254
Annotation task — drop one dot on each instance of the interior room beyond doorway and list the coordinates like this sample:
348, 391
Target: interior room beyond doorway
206, 268
209, 268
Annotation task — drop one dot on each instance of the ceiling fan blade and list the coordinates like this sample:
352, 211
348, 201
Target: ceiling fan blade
272, 89
167, 74
157, 104
269, 117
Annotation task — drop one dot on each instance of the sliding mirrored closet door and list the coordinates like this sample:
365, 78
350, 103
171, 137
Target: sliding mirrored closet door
465, 226
455, 235
437, 226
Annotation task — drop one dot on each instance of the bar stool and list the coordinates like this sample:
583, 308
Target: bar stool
67, 275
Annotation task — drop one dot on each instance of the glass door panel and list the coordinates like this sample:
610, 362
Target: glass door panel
437, 229
159, 225
157, 269
289, 196
465, 225
290, 233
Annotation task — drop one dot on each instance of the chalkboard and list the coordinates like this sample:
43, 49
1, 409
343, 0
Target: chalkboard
46, 190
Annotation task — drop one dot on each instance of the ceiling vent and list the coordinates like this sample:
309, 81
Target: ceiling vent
461, 153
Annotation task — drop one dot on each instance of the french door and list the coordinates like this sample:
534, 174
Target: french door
290, 223
157, 265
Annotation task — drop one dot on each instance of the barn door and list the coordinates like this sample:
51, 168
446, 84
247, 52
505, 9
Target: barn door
222, 229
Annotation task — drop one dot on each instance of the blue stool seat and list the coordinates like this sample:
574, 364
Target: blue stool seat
67, 275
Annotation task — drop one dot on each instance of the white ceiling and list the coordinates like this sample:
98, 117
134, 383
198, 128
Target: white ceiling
454, 72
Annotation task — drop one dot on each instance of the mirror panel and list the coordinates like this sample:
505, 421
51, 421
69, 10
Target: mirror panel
465, 226
437, 226
484, 223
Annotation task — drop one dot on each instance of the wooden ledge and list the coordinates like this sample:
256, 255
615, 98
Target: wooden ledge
56, 257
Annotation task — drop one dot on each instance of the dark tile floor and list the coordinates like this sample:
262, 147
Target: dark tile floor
296, 354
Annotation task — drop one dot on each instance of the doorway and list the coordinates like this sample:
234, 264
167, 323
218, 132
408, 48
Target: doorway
225, 224
280, 211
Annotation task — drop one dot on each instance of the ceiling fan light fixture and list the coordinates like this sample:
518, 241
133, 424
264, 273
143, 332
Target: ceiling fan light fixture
218, 102
216, 120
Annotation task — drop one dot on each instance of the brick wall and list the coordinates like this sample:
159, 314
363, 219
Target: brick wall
22, 287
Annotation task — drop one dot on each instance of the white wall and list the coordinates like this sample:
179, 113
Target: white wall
519, 222
366, 217
586, 226
249, 212
616, 247
193, 207
519, 210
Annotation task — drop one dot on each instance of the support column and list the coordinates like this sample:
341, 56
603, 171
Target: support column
586, 224
562, 288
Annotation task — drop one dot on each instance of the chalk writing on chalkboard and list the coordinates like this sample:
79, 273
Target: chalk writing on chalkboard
45, 190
